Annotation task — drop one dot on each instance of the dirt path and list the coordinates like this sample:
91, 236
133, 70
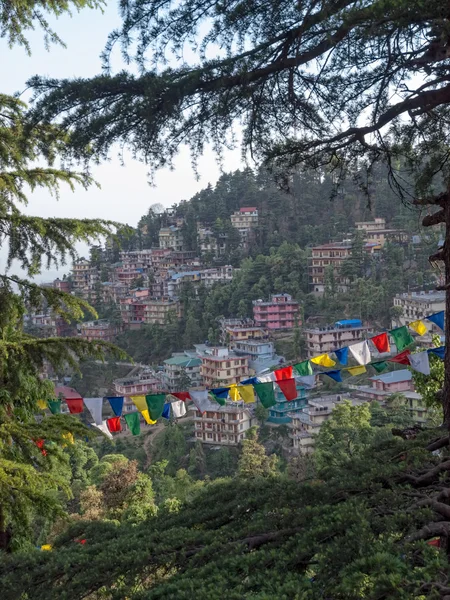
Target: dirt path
149, 441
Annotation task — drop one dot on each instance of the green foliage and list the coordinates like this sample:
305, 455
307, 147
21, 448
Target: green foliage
170, 445
430, 386
253, 462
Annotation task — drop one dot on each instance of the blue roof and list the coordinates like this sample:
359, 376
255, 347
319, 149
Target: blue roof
349, 323
180, 275
394, 376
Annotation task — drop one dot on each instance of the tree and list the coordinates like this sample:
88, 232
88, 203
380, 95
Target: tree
254, 462
197, 461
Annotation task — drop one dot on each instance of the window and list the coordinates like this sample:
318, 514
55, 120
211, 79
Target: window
241, 426
209, 435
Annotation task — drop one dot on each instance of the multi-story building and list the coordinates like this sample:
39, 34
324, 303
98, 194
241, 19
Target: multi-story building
342, 333
376, 232
132, 308
182, 367
220, 366
245, 219
63, 285
127, 272
238, 330
84, 279
216, 275
418, 305
332, 256
140, 384
101, 330
175, 281
261, 354
171, 237
225, 426
50, 325
281, 412
280, 312
157, 311
211, 243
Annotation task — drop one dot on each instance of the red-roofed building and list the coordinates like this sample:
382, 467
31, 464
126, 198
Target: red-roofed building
66, 393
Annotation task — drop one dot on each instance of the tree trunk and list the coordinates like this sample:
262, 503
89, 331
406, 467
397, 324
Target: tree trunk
446, 256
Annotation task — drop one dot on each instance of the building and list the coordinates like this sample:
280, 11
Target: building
261, 354
63, 285
180, 368
211, 243
158, 311
238, 330
171, 238
84, 279
101, 330
245, 219
418, 305
175, 281
327, 339
331, 256
222, 274
281, 412
280, 312
142, 383
225, 426
50, 325
376, 232
220, 366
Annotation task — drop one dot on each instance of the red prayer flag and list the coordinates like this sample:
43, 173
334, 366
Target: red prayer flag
287, 386
40, 444
402, 358
381, 342
284, 373
75, 405
114, 424
181, 395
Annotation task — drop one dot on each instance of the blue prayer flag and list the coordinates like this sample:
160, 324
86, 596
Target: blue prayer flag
336, 375
221, 392
437, 319
438, 351
166, 411
342, 355
249, 381
116, 405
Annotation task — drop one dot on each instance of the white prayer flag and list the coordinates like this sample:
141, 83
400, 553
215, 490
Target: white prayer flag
361, 353
178, 409
201, 400
104, 429
420, 362
95, 407
308, 380
267, 378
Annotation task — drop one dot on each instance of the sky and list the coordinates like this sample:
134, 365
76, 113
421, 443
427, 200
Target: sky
124, 194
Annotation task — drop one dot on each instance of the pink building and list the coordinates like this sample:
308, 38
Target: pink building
101, 330
278, 313
383, 386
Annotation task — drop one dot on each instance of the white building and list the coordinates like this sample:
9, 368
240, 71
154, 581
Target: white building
418, 305
225, 426
171, 237
245, 219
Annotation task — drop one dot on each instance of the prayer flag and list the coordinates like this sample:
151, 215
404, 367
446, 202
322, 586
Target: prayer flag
357, 370
323, 360
419, 327
40, 444
438, 351
308, 380
247, 394
181, 395
289, 389
250, 381
139, 402
146, 416
420, 362
166, 411
437, 319
336, 375
265, 393
304, 368
402, 337
221, 393
234, 392
116, 403
114, 424
220, 400
54, 406
69, 437
284, 373
155, 405
342, 355
178, 409
134, 422
402, 358
361, 353
75, 405
201, 400
103, 428
42, 404
95, 407
379, 366
381, 342
267, 378
46, 548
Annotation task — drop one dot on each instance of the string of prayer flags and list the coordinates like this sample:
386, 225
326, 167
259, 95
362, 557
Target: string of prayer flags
304, 368
354, 371
402, 337
146, 416
342, 355
284, 373
246, 393
103, 427
420, 362
438, 351
114, 424
220, 395
419, 327
361, 353
336, 375
323, 360
75, 405
178, 409
166, 411
155, 405
402, 358
95, 407
140, 402
381, 342
289, 389
134, 422
116, 403
201, 400
437, 319
54, 406
266, 394
234, 392
181, 395
42, 404
379, 366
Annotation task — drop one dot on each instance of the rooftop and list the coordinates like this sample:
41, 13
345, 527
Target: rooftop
67, 393
245, 209
423, 296
183, 361
394, 376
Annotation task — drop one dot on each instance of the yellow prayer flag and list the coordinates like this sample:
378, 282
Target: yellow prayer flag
419, 327
234, 392
42, 404
357, 370
140, 402
246, 392
46, 547
323, 360
69, 437
146, 416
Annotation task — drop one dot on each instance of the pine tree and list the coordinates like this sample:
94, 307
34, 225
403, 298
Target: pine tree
254, 462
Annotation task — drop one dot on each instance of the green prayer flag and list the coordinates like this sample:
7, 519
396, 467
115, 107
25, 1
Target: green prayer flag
265, 393
155, 403
402, 337
54, 406
134, 422
379, 366
304, 368
221, 401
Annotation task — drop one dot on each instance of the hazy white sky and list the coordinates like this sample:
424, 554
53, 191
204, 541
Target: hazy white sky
125, 194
